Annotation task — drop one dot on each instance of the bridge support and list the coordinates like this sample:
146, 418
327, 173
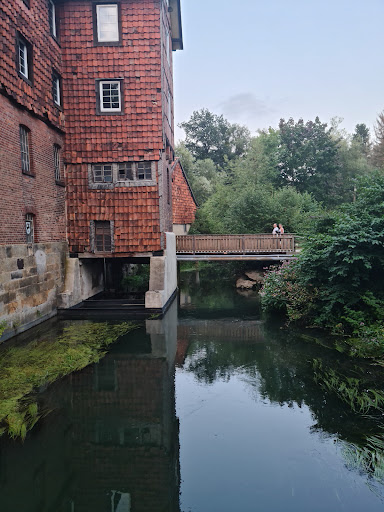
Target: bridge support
163, 277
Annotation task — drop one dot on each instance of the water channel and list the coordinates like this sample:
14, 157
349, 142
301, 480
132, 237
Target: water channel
209, 409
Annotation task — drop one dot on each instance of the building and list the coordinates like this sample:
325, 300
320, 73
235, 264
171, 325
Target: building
32, 203
184, 204
87, 101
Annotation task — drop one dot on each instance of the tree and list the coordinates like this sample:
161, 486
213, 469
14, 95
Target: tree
202, 174
378, 150
211, 136
308, 158
362, 138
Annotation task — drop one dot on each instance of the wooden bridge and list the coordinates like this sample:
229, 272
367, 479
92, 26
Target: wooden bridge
235, 247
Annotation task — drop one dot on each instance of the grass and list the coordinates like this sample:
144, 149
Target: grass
24, 369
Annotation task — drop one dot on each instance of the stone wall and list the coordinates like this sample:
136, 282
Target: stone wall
31, 278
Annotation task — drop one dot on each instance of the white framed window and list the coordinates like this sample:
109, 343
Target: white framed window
56, 88
169, 114
110, 96
23, 58
52, 18
107, 22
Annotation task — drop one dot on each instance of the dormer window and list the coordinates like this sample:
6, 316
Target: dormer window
107, 23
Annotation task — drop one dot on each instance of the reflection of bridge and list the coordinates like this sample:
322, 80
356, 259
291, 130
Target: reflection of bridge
235, 247
222, 330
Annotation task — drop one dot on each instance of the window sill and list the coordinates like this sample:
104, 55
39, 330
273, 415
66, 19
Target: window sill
27, 80
60, 183
29, 173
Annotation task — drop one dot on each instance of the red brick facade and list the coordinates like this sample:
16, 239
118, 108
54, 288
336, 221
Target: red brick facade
29, 102
184, 204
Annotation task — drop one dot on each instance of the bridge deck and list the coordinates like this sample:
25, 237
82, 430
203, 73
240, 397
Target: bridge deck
235, 247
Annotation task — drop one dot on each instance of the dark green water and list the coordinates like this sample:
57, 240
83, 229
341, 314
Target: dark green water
207, 410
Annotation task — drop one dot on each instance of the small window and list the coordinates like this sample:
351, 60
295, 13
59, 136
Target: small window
56, 88
56, 162
25, 149
144, 171
24, 58
102, 173
169, 108
168, 46
103, 239
110, 96
107, 21
126, 172
29, 228
52, 18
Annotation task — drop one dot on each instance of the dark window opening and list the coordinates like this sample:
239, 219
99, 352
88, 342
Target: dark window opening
25, 149
57, 162
144, 171
126, 171
103, 239
102, 173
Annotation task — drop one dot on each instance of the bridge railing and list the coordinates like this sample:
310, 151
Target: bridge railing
235, 244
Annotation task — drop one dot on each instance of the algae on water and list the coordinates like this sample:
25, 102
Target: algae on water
24, 369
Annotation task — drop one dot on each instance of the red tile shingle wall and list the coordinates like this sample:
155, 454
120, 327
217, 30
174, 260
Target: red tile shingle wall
33, 24
184, 206
139, 213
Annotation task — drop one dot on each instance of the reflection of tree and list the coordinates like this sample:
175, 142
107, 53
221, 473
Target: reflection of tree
286, 370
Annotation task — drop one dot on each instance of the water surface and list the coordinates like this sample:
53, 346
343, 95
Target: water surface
207, 410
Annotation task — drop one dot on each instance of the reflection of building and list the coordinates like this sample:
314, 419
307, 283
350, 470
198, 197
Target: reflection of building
125, 450
115, 447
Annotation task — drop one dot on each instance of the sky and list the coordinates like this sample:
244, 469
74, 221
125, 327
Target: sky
258, 61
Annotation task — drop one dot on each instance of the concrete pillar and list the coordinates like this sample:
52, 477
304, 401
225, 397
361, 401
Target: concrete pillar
163, 276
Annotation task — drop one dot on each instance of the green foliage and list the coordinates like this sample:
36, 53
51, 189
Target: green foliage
343, 261
209, 136
137, 280
378, 149
24, 369
351, 390
308, 158
3, 326
285, 292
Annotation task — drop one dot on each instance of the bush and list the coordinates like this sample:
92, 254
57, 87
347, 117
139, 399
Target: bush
285, 291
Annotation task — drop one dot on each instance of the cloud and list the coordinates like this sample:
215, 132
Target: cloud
245, 107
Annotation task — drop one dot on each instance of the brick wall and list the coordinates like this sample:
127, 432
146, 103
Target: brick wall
21, 193
184, 206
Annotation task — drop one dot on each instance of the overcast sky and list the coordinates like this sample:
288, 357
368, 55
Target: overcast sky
256, 61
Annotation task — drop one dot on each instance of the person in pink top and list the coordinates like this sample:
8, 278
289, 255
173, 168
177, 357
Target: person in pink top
281, 229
